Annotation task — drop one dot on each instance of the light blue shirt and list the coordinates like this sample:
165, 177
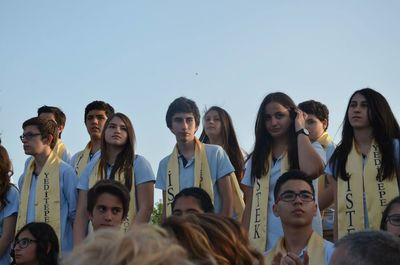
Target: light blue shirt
68, 197
218, 162
141, 168
11, 208
274, 226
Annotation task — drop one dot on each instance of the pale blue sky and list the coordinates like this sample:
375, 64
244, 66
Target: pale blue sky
140, 55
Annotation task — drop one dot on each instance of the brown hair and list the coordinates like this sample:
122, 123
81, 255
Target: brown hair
5, 174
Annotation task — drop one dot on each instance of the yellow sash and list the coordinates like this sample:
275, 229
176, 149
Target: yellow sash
47, 201
259, 206
82, 159
238, 202
315, 249
325, 139
202, 176
59, 148
350, 193
119, 176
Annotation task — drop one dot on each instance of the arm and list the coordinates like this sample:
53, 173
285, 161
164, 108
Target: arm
309, 160
248, 196
225, 189
8, 233
81, 219
145, 202
325, 198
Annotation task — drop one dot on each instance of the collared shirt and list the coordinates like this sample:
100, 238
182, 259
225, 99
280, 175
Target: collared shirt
68, 197
141, 168
218, 162
274, 226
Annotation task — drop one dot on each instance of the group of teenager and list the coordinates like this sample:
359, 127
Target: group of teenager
271, 200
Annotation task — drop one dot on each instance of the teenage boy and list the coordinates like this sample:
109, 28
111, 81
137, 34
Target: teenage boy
193, 164
96, 115
192, 200
57, 115
107, 204
295, 205
48, 184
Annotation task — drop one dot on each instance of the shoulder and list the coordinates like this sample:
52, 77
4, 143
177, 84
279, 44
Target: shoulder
12, 192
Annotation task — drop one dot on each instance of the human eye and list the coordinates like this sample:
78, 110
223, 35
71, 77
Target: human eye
112, 126
124, 128
364, 104
353, 104
267, 117
177, 212
307, 196
288, 196
101, 208
395, 219
23, 242
116, 210
279, 115
101, 117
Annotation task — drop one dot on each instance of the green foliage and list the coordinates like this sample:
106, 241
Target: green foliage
157, 213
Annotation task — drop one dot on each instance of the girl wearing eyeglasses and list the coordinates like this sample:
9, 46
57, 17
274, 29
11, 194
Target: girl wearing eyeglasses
9, 202
117, 160
35, 243
281, 144
364, 168
391, 217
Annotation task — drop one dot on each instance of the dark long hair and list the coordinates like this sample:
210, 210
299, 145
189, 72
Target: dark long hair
125, 158
229, 140
5, 175
384, 128
47, 250
264, 141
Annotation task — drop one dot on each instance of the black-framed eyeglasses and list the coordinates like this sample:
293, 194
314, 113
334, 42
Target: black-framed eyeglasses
28, 136
290, 196
394, 219
23, 242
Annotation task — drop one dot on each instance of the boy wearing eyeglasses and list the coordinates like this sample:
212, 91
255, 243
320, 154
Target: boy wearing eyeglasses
295, 206
48, 184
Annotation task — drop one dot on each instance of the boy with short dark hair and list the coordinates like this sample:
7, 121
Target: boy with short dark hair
48, 184
107, 204
295, 205
192, 163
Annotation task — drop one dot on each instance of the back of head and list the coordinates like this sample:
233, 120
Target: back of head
6, 172
367, 248
193, 238
57, 112
227, 239
45, 127
143, 245
182, 105
99, 105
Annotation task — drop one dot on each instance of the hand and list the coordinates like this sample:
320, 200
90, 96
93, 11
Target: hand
300, 121
290, 259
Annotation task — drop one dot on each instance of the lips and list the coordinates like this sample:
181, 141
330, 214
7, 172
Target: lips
298, 211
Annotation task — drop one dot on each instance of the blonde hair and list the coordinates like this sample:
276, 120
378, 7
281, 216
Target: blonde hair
143, 245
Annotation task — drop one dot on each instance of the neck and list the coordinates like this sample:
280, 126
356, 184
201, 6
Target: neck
186, 149
95, 145
296, 239
113, 152
40, 160
278, 148
363, 139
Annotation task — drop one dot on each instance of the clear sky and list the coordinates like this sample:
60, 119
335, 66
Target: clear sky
140, 55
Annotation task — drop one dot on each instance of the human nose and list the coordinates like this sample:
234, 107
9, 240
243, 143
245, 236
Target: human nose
108, 216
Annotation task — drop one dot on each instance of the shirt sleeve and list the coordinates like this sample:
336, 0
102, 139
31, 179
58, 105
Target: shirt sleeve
69, 180
12, 202
143, 171
162, 173
83, 183
224, 164
247, 174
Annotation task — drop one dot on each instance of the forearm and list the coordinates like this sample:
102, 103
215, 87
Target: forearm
309, 160
248, 196
8, 233
80, 227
